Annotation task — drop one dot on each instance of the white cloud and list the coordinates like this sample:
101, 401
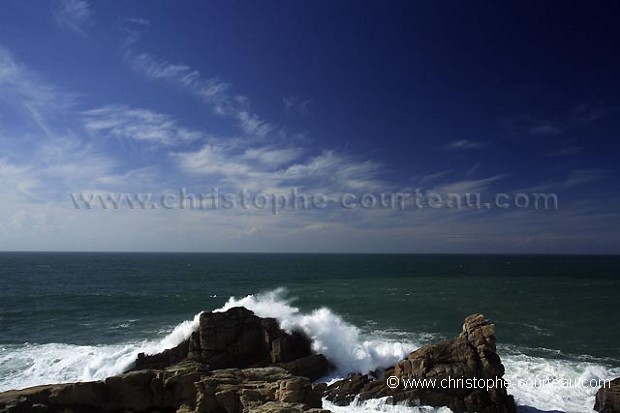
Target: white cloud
253, 125
17, 178
212, 160
472, 171
211, 91
467, 186
294, 105
121, 121
25, 94
337, 172
585, 176
258, 168
464, 144
73, 15
545, 129
273, 156
138, 20
567, 151
434, 177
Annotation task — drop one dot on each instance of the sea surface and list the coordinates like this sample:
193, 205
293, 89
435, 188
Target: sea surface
84, 316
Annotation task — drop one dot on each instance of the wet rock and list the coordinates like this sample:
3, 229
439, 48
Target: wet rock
238, 338
608, 398
454, 371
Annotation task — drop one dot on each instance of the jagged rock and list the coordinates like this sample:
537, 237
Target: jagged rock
608, 398
344, 391
238, 338
164, 359
314, 367
196, 376
471, 355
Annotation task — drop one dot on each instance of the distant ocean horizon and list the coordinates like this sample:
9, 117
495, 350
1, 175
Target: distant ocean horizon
71, 316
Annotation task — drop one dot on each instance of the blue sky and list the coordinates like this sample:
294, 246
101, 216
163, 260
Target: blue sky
321, 97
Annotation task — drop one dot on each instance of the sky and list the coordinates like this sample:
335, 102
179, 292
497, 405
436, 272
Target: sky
310, 126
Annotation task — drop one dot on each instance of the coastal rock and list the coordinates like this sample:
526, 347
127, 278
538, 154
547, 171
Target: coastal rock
314, 367
220, 368
181, 389
463, 364
237, 362
608, 398
238, 338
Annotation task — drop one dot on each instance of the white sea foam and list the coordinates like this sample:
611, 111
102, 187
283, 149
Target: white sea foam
345, 345
341, 342
380, 406
33, 364
549, 398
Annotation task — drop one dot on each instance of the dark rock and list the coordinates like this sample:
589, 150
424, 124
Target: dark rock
608, 398
164, 359
314, 367
238, 338
221, 369
344, 391
196, 375
470, 356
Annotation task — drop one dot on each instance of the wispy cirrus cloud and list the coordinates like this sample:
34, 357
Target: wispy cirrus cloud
270, 161
17, 82
270, 155
279, 168
566, 151
585, 176
72, 15
544, 129
214, 160
42, 153
432, 177
17, 178
466, 186
296, 106
30, 99
122, 121
464, 144
212, 91
339, 172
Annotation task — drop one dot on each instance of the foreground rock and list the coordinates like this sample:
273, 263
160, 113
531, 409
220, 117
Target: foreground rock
470, 356
221, 368
237, 362
182, 389
608, 398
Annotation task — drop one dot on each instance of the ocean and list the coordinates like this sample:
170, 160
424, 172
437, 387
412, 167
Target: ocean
84, 316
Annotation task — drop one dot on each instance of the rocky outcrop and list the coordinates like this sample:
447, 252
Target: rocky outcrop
458, 374
608, 398
237, 362
181, 389
238, 338
221, 368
